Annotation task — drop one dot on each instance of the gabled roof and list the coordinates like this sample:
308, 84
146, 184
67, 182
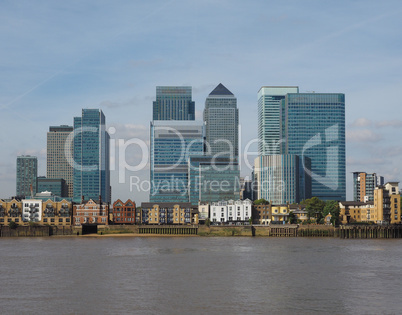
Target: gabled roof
221, 90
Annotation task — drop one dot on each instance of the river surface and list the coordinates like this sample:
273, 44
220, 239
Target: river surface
200, 275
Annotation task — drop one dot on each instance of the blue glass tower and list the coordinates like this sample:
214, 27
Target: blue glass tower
91, 157
212, 179
270, 117
315, 128
173, 103
172, 143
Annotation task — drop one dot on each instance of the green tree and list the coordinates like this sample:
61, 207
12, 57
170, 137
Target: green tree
261, 202
332, 207
292, 218
12, 225
314, 208
207, 222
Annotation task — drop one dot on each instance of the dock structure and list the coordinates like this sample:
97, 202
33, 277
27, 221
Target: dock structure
288, 231
168, 230
367, 231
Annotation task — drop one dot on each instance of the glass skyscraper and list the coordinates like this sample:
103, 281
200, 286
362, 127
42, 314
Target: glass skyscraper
57, 165
91, 157
315, 128
282, 178
221, 118
173, 103
27, 172
172, 143
213, 179
270, 118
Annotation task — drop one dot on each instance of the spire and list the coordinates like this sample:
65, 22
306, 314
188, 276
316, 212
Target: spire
221, 90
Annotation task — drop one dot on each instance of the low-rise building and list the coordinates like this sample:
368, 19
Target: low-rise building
166, 213
239, 211
37, 211
262, 214
91, 212
357, 211
387, 202
299, 212
203, 211
123, 212
279, 213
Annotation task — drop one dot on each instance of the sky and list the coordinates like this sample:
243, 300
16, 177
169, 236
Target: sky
57, 57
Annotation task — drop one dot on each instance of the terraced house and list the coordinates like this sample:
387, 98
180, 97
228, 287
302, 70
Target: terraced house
167, 213
124, 212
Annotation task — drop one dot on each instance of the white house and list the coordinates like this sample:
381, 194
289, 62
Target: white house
230, 211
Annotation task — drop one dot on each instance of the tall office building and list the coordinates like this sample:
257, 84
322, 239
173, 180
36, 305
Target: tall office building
364, 185
58, 165
91, 157
211, 179
27, 172
270, 118
173, 103
172, 143
221, 118
315, 127
282, 178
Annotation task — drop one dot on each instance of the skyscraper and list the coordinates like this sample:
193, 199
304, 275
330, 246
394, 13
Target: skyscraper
221, 118
173, 103
27, 172
172, 143
271, 117
282, 178
315, 127
57, 165
91, 156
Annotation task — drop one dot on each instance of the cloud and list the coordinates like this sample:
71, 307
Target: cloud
389, 123
364, 135
361, 122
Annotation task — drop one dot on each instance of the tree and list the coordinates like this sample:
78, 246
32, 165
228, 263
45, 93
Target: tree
292, 218
314, 208
12, 225
332, 207
261, 202
207, 222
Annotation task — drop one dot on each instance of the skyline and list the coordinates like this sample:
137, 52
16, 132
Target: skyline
60, 58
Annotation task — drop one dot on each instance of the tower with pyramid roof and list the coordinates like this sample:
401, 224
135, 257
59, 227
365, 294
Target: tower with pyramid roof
221, 117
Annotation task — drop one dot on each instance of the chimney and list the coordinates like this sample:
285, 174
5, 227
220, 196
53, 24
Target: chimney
100, 200
82, 199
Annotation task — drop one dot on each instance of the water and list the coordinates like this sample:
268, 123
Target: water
183, 275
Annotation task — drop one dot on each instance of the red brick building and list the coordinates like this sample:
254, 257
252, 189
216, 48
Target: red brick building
124, 212
91, 212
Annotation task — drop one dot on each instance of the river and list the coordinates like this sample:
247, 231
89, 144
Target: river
200, 275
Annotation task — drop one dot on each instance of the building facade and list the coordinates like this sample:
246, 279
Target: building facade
124, 212
212, 179
173, 103
314, 125
239, 211
58, 163
91, 212
57, 186
27, 172
22, 212
282, 178
364, 185
387, 202
166, 213
221, 118
91, 157
270, 118
172, 143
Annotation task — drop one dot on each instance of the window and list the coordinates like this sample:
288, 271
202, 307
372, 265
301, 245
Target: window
45, 220
61, 220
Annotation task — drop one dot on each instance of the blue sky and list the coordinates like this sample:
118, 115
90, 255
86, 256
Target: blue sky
59, 57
